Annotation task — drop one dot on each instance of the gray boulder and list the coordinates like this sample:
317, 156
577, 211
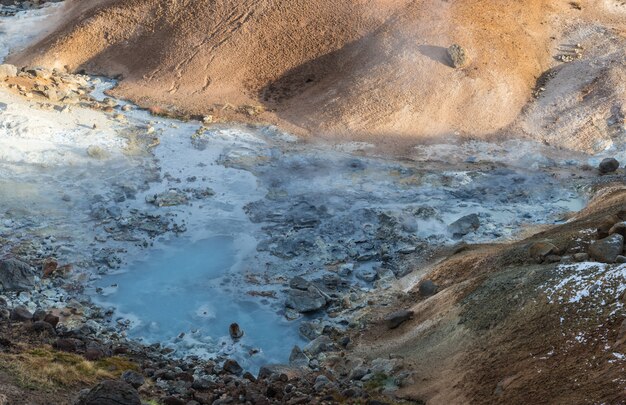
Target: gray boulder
606, 250
464, 225
16, 275
305, 301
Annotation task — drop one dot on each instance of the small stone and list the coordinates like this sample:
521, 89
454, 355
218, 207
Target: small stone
235, 331
552, 259
464, 226
133, 378
458, 56
305, 301
540, 250
232, 367
606, 250
299, 283
51, 319
298, 357
581, 257
319, 345
21, 314
427, 288
620, 259
397, 318
608, 165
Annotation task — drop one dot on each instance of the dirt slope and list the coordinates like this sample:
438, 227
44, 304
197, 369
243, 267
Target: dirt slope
359, 68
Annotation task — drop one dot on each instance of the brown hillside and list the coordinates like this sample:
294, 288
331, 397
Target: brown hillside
367, 68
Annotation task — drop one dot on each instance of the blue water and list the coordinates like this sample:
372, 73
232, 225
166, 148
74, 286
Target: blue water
179, 290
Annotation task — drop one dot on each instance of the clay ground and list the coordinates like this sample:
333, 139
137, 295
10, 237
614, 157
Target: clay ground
373, 70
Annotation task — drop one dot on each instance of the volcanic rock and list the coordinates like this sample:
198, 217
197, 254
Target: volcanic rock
427, 288
458, 56
16, 275
305, 301
232, 367
21, 314
397, 318
606, 250
235, 331
464, 225
133, 378
608, 165
110, 392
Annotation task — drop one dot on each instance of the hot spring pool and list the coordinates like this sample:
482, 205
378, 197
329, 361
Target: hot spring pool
181, 290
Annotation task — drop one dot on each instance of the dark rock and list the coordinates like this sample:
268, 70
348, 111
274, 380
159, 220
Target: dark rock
111, 392
21, 314
397, 318
606, 250
278, 370
232, 367
69, 345
299, 283
235, 331
305, 301
172, 401
298, 357
133, 378
608, 165
427, 288
464, 225
319, 345
39, 315
42, 327
94, 353
581, 257
552, 259
51, 319
16, 275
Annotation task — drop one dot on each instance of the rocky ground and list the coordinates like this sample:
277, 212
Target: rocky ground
459, 273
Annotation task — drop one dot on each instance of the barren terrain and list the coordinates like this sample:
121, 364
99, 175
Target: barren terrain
375, 69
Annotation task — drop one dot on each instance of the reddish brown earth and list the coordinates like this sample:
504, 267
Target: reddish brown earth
358, 69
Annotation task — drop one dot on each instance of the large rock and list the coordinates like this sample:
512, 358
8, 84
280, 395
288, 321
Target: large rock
397, 318
16, 275
110, 392
606, 250
305, 301
464, 225
7, 71
608, 165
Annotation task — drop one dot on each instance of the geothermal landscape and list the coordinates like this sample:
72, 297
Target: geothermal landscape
312, 202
